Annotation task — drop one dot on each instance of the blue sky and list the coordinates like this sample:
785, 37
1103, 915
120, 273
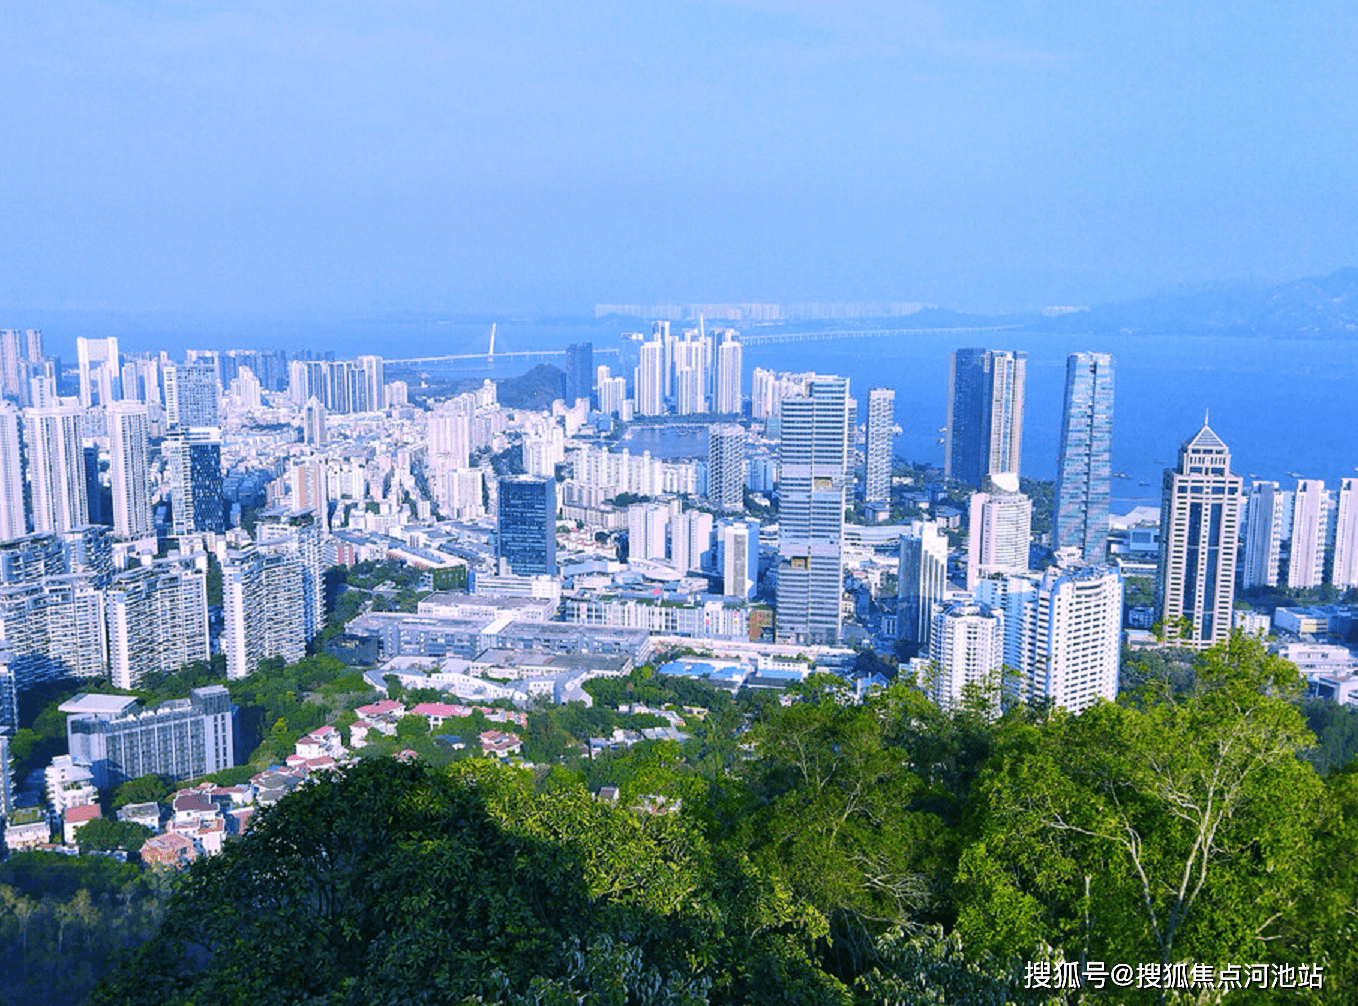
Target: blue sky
332, 157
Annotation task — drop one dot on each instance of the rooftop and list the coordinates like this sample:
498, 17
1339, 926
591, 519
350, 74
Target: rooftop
98, 705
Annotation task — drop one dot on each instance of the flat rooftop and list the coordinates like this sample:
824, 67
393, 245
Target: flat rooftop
98, 705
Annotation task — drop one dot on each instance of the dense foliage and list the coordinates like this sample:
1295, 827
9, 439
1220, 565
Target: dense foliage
817, 852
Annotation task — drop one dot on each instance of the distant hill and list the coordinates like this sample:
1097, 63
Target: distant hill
536, 389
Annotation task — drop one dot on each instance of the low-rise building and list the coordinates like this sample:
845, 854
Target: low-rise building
75, 818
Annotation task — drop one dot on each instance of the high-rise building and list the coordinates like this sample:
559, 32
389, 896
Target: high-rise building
1310, 534
13, 369
812, 457
301, 537
650, 379
739, 544
526, 525
880, 445
373, 370
128, 430
13, 514
1077, 637
9, 697
985, 414
450, 433
194, 461
726, 466
922, 581
100, 371
1199, 536
179, 739
1345, 570
73, 610
966, 654
1084, 468
314, 429
647, 524
579, 372
56, 468
1000, 530
730, 384
191, 395
690, 539
309, 488
264, 608
157, 620
1263, 535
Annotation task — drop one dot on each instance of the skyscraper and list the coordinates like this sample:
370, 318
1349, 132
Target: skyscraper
314, 429
739, 541
56, 468
690, 539
13, 517
647, 524
264, 609
966, 650
1310, 534
650, 379
1000, 530
1199, 536
128, 428
100, 371
812, 457
157, 620
726, 466
730, 386
1085, 466
526, 525
1263, 535
374, 374
1077, 637
1345, 571
194, 460
579, 372
985, 414
921, 582
881, 439
191, 395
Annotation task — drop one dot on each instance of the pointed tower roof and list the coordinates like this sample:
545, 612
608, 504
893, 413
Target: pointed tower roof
1205, 439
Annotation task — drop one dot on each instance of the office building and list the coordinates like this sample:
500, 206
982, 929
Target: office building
100, 371
690, 540
726, 466
1310, 534
1084, 467
191, 395
738, 542
579, 372
1000, 530
194, 463
56, 468
880, 445
1345, 570
1199, 535
812, 458
730, 385
1263, 535
526, 525
649, 384
13, 513
128, 431
264, 610
157, 620
374, 377
985, 414
921, 582
966, 655
180, 739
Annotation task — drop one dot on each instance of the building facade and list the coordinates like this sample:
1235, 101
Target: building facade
1084, 468
526, 525
880, 445
985, 414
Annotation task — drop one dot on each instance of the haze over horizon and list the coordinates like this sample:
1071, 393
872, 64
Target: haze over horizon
251, 160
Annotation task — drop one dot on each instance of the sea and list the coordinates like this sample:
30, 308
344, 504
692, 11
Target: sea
1287, 407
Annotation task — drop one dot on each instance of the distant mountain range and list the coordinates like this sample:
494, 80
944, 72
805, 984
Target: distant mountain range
1322, 307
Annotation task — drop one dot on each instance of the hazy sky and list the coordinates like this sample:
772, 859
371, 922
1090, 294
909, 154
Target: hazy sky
334, 156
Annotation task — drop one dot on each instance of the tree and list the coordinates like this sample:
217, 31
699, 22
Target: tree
1167, 826
106, 833
143, 789
412, 727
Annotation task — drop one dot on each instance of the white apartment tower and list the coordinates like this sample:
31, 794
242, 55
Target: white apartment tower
1345, 571
730, 387
13, 517
966, 653
1199, 536
647, 524
374, 381
100, 371
1000, 530
739, 557
1263, 535
56, 468
690, 539
1310, 533
1077, 637
650, 379
922, 581
881, 438
726, 466
157, 620
128, 430
812, 458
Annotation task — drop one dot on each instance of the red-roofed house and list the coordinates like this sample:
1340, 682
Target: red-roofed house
500, 745
387, 708
169, 849
76, 818
323, 742
437, 712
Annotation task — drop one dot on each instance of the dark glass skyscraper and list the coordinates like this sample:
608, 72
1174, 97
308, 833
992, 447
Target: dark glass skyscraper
526, 538
1084, 470
579, 371
985, 414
